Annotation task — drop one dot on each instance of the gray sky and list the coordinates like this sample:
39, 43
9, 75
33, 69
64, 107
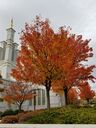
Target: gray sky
80, 15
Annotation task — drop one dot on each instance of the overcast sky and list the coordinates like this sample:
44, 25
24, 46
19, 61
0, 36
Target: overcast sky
80, 15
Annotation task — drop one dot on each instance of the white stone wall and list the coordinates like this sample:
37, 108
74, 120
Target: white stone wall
5, 68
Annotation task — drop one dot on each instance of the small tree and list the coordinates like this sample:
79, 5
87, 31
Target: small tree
18, 93
73, 95
86, 92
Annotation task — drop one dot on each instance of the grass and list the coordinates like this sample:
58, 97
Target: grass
65, 115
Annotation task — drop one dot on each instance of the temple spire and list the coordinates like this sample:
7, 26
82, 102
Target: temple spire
11, 23
10, 32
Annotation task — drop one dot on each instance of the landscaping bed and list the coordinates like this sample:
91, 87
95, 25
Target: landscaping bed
66, 115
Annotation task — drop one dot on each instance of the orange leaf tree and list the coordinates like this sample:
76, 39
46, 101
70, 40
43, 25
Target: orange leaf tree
73, 95
86, 92
74, 70
18, 93
47, 56
73, 76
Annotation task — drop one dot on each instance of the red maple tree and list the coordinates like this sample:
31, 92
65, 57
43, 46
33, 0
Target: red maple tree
73, 95
86, 92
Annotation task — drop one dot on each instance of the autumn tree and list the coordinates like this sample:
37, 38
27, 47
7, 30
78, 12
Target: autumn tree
47, 56
18, 93
74, 77
73, 95
86, 92
39, 58
74, 70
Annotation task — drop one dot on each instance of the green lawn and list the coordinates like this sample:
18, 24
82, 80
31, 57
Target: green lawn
65, 115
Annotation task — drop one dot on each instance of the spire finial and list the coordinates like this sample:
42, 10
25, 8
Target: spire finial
12, 23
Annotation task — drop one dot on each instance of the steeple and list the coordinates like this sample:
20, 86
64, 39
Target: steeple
9, 42
11, 23
10, 32
9, 53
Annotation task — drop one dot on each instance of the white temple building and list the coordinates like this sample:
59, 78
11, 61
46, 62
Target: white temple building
8, 54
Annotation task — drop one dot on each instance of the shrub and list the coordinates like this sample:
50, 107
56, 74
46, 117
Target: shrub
9, 112
44, 117
10, 119
18, 111
27, 115
23, 117
65, 115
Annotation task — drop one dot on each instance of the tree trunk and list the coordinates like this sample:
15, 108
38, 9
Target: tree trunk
66, 96
48, 98
88, 101
20, 106
48, 86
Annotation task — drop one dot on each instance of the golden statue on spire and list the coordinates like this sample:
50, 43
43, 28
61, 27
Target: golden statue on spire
12, 23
